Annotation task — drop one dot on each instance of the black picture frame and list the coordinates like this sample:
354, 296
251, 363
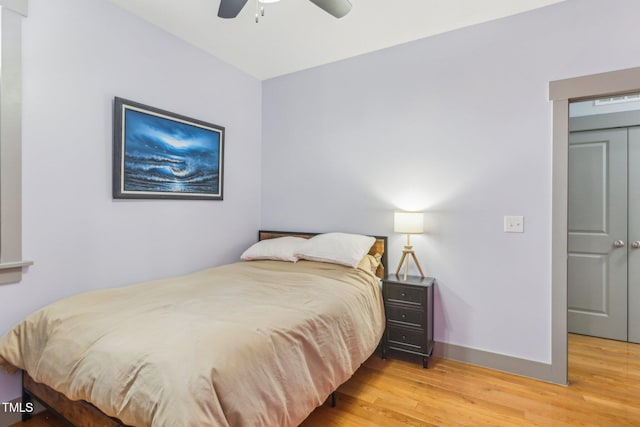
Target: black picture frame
158, 154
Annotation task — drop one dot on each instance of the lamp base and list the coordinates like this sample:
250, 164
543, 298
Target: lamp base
408, 251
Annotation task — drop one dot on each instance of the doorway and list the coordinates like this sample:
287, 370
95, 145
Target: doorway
560, 93
604, 218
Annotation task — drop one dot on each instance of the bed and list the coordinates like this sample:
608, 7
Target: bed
253, 343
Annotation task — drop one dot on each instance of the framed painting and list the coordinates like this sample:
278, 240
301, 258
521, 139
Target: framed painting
162, 155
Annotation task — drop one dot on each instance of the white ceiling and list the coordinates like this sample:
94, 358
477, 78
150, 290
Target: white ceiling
295, 34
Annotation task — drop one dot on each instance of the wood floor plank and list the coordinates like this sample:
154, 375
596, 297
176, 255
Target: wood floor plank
43, 419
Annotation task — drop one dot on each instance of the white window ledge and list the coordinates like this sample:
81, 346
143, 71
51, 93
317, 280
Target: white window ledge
11, 272
15, 264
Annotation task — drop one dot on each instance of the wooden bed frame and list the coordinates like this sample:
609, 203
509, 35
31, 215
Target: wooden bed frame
76, 412
82, 413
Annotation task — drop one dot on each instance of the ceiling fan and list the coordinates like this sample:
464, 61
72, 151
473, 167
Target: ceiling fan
337, 8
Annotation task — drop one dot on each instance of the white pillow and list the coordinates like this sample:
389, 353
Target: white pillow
337, 248
280, 249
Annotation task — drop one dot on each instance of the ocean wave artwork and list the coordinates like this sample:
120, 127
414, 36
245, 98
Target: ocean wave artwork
166, 155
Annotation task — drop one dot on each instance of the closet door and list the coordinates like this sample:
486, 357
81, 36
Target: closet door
634, 234
597, 258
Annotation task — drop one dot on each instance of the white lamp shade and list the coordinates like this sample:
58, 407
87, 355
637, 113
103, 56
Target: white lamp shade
408, 222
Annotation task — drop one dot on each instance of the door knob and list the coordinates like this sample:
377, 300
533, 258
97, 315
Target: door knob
618, 244
636, 244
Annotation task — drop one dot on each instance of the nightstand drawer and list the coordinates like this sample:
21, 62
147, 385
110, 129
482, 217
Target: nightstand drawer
405, 315
407, 338
404, 294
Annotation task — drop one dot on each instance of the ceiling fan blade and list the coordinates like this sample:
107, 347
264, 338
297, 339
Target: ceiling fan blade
230, 8
337, 8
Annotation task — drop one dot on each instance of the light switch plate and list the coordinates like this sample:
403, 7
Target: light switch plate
514, 224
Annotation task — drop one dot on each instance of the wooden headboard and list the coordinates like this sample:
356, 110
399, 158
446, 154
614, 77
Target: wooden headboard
379, 246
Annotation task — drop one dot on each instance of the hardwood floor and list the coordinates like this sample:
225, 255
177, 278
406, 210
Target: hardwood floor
43, 419
604, 390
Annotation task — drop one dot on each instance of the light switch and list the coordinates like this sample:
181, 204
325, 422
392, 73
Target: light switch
514, 224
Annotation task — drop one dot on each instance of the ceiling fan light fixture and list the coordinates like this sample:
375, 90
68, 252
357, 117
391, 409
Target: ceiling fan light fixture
231, 8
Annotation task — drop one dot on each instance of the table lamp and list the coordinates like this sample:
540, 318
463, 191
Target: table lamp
408, 223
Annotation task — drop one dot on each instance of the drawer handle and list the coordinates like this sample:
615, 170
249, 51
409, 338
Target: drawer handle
403, 295
404, 338
404, 316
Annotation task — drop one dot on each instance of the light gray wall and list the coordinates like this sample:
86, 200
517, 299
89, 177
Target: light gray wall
458, 125
78, 55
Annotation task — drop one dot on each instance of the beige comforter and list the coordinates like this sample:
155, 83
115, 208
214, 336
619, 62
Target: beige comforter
257, 343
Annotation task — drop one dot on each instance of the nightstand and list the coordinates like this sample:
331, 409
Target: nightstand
408, 306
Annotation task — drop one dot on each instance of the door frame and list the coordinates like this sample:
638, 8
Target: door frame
561, 93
